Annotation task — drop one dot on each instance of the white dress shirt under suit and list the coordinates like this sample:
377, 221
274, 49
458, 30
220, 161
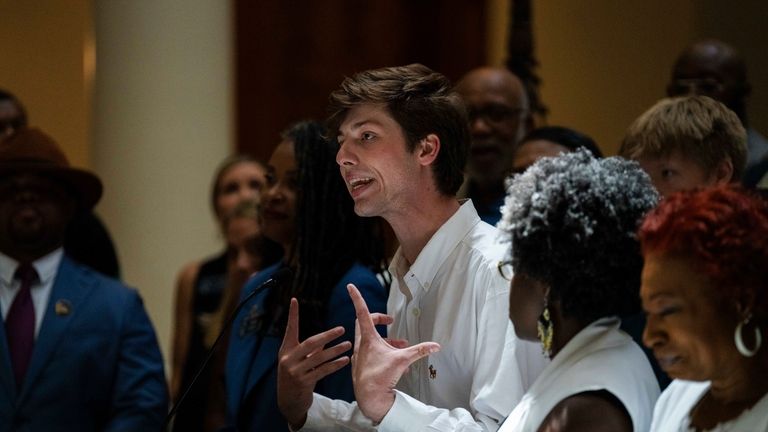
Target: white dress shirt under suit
40, 290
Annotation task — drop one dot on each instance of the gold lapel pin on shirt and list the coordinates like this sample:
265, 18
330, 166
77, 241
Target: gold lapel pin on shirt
63, 307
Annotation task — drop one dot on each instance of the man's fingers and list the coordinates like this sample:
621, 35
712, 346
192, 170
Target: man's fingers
361, 309
318, 359
313, 344
357, 336
418, 351
291, 337
319, 340
381, 319
328, 368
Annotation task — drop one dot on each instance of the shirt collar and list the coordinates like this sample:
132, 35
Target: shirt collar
45, 266
438, 248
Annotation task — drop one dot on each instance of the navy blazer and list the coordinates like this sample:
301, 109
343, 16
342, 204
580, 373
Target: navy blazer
251, 377
96, 365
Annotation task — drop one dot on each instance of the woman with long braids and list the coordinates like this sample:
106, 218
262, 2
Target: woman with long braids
307, 209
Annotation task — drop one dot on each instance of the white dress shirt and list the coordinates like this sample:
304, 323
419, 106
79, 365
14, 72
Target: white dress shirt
453, 294
673, 410
46, 268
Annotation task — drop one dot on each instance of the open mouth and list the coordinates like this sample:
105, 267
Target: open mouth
358, 183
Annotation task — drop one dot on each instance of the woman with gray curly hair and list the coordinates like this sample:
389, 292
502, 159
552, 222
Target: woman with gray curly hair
572, 222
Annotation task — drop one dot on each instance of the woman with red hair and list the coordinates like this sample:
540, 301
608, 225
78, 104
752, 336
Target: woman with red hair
704, 292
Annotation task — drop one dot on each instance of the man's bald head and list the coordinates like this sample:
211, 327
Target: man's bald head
712, 68
499, 116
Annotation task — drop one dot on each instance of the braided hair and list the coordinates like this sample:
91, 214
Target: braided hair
329, 236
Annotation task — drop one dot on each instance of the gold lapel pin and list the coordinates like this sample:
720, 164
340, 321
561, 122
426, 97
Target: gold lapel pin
63, 307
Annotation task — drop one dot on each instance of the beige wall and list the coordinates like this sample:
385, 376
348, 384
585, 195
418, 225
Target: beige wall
604, 62
744, 27
43, 61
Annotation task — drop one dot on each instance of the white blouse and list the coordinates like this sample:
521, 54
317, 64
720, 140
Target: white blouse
672, 412
600, 357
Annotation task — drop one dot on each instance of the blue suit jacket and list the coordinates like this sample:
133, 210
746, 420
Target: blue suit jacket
251, 376
96, 365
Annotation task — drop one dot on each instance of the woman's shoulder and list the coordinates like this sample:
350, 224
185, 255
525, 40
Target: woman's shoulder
188, 273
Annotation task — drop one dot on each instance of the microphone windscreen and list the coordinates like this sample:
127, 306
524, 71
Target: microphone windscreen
282, 274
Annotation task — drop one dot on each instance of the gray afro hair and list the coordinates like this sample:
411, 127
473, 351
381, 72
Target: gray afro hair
572, 221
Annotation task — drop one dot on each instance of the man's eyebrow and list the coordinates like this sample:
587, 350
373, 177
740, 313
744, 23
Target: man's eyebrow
665, 294
363, 122
357, 125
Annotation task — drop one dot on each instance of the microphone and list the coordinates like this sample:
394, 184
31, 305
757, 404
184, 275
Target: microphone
279, 275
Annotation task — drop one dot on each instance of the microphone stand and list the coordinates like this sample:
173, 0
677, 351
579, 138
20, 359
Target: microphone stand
283, 272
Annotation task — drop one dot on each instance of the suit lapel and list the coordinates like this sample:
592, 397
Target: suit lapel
70, 288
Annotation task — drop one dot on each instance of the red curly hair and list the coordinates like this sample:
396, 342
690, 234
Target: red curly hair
724, 232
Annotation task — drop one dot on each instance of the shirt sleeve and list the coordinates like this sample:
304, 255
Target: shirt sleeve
504, 368
327, 414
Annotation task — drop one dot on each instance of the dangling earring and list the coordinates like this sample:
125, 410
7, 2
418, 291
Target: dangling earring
743, 350
545, 330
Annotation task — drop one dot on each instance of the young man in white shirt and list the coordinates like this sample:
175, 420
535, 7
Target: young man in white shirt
403, 139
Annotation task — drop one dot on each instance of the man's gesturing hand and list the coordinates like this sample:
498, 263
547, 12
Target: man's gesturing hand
302, 365
377, 365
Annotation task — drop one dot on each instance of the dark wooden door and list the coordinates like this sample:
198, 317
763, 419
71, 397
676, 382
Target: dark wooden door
292, 53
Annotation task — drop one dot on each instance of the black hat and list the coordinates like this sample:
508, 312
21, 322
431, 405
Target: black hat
30, 150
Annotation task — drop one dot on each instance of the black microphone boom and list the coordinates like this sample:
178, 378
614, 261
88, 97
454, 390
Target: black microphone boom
277, 277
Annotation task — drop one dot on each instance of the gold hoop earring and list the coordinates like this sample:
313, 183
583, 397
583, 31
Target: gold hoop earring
743, 350
545, 330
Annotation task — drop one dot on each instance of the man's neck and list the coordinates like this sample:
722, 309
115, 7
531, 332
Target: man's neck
415, 225
27, 256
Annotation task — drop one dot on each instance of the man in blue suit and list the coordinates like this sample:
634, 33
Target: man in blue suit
77, 349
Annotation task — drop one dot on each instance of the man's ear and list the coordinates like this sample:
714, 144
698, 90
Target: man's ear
723, 173
428, 149
530, 122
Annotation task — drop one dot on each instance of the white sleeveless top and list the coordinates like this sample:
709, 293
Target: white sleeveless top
672, 412
600, 357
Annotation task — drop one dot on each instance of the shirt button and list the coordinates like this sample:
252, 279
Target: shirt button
416, 312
